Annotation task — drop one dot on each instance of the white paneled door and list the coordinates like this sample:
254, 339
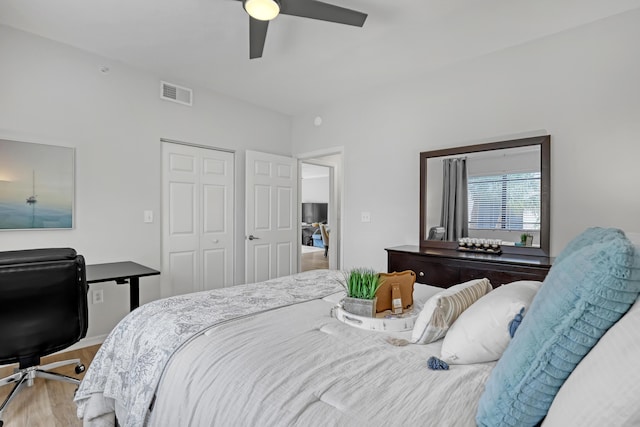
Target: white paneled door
271, 216
197, 220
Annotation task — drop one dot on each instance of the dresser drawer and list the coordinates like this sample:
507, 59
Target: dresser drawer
435, 273
446, 268
499, 275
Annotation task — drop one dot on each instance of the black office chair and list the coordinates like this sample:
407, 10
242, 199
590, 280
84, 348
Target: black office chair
436, 233
43, 309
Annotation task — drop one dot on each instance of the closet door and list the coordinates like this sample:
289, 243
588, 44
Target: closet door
198, 220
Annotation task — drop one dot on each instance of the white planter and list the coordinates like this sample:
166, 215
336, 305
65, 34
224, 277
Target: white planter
360, 307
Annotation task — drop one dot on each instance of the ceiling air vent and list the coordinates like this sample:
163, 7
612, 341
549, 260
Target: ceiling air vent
175, 93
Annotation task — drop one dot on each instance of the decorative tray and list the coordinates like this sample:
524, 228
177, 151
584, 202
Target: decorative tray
385, 321
494, 251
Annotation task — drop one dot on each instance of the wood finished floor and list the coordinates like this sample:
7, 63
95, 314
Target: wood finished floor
314, 261
47, 403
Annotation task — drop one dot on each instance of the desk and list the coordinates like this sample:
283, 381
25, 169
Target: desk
120, 272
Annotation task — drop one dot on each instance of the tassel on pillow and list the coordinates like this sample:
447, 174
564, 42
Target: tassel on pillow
436, 364
513, 325
437, 318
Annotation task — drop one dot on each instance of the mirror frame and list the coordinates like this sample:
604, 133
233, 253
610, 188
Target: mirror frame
545, 191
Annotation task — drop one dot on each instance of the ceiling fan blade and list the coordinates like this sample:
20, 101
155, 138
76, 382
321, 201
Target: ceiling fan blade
257, 37
323, 11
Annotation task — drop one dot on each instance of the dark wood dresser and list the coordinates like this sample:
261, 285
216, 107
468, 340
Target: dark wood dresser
448, 267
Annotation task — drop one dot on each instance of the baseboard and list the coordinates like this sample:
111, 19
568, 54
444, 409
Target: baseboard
85, 342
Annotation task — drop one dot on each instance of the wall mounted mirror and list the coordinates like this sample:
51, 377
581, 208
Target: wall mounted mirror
495, 191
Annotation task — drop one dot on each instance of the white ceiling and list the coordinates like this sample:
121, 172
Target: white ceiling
306, 63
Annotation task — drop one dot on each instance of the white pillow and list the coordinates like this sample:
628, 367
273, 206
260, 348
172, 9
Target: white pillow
481, 333
422, 293
442, 309
603, 390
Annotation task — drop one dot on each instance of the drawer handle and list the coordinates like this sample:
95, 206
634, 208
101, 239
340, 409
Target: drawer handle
421, 274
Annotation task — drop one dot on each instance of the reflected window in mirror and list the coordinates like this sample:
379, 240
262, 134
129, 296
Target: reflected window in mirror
496, 191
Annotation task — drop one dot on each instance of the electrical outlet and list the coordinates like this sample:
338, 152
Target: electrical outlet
98, 296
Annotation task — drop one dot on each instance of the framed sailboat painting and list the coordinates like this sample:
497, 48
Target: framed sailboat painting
36, 186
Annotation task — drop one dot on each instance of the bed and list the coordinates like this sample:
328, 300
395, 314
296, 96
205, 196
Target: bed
272, 354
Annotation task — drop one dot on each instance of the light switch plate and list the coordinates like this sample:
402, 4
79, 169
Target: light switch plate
365, 217
148, 216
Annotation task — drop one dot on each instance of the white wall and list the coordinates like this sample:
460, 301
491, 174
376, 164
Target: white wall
579, 86
55, 94
315, 190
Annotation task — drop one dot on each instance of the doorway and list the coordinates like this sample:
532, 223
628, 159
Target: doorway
315, 192
320, 207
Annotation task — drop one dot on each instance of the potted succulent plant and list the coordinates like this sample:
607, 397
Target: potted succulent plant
361, 285
526, 239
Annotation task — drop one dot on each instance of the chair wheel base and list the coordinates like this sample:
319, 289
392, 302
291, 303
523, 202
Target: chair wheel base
79, 369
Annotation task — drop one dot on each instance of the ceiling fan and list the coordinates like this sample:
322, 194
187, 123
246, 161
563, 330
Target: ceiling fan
262, 11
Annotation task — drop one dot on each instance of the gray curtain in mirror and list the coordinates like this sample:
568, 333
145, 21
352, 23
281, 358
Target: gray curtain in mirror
454, 216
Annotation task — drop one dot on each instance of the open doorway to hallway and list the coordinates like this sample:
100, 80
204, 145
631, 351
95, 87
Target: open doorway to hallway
315, 191
320, 182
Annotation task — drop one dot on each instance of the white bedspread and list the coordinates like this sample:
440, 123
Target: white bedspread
297, 366
126, 370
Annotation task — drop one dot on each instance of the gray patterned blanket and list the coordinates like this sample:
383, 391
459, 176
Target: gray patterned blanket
130, 362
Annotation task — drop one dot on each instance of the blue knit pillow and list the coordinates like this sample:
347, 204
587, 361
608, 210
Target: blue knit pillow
589, 237
580, 299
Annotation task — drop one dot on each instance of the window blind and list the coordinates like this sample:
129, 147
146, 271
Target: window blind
506, 202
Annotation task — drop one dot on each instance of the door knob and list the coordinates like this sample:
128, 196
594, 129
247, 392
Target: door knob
252, 237
215, 240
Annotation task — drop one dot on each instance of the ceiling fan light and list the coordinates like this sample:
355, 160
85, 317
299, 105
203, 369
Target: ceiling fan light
262, 10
